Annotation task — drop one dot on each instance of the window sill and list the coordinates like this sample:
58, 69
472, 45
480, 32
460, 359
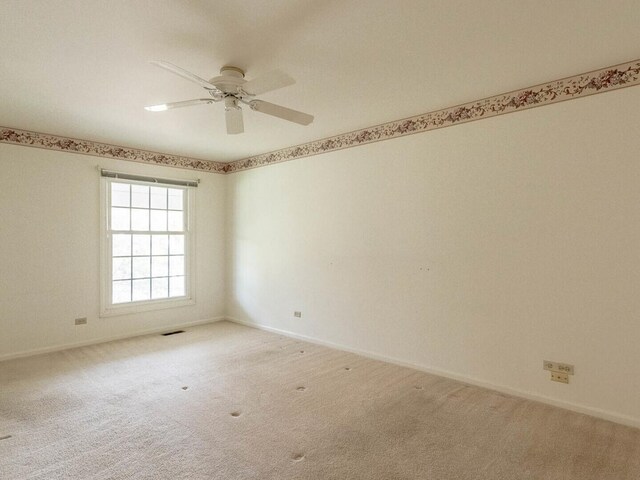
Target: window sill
149, 306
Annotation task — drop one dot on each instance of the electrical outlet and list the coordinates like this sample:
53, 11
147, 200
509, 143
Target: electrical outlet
558, 367
297, 314
81, 321
559, 377
565, 368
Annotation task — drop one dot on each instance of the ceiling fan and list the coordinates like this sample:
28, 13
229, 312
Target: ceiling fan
232, 89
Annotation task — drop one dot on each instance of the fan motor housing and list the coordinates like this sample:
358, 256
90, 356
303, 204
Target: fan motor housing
230, 80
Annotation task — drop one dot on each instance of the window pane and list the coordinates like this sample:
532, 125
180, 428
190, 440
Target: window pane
176, 244
121, 291
139, 196
142, 244
119, 219
141, 290
176, 265
175, 199
159, 266
175, 221
160, 245
159, 220
121, 268
119, 195
141, 267
176, 286
159, 287
121, 245
151, 264
139, 219
158, 197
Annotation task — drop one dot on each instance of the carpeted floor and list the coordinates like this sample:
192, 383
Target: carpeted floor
223, 401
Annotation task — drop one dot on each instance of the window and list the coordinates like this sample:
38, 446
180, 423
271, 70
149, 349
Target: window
146, 246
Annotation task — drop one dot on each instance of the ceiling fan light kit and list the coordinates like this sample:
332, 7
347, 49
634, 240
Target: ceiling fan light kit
232, 88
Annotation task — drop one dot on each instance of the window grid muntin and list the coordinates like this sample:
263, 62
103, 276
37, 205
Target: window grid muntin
184, 233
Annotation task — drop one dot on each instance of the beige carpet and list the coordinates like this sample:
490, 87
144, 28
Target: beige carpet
223, 401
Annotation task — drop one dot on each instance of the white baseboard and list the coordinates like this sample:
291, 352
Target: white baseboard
594, 412
95, 341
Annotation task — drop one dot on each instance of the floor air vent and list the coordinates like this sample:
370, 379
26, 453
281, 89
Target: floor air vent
172, 333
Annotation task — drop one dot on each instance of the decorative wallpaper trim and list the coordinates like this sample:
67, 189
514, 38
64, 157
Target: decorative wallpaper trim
86, 147
597, 81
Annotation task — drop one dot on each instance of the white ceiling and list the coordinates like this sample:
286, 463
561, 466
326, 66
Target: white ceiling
80, 68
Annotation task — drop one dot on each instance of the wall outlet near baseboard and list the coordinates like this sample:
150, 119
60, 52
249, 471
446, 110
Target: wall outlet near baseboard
81, 321
297, 314
559, 377
558, 367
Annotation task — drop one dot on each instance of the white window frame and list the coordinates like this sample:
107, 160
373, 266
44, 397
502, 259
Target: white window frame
107, 308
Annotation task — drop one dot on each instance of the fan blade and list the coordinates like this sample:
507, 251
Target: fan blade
268, 82
187, 103
281, 112
185, 74
233, 116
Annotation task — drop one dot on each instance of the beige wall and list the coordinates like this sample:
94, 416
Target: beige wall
49, 251
477, 250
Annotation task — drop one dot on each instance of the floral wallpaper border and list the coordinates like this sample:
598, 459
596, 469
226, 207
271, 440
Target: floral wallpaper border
597, 81
86, 147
